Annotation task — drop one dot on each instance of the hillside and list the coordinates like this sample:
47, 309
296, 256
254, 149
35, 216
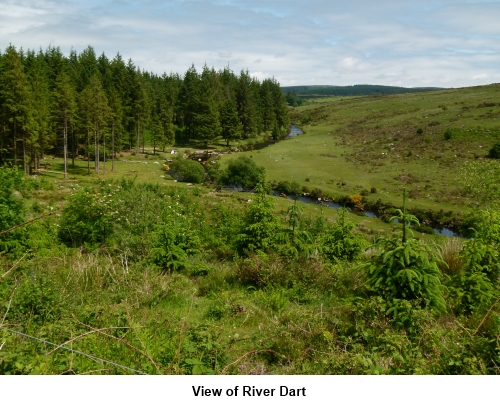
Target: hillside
389, 142
356, 90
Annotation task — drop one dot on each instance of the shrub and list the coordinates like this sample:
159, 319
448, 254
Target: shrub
357, 201
448, 134
86, 219
420, 131
11, 206
477, 280
306, 119
495, 151
243, 172
187, 170
260, 224
339, 241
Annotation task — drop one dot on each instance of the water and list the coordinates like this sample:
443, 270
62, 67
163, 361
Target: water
294, 131
445, 232
330, 204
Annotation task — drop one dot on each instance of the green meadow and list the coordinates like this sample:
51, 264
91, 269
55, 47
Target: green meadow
354, 144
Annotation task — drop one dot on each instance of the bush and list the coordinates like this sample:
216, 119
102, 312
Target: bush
288, 188
242, 172
11, 206
260, 225
420, 131
495, 151
448, 134
339, 241
187, 170
86, 219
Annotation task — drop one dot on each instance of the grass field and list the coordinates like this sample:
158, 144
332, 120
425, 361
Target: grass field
372, 141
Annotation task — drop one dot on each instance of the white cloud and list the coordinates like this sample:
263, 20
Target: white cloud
426, 43
353, 64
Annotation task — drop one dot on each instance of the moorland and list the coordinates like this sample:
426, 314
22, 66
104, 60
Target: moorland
136, 260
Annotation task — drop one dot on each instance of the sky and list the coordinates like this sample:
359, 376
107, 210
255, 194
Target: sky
298, 42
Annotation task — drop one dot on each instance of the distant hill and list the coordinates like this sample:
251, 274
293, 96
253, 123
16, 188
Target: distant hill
356, 90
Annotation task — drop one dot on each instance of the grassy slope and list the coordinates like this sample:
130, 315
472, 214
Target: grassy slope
365, 142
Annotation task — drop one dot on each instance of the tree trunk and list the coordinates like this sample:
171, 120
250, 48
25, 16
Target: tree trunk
1, 146
113, 146
137, 141
15, 144
96, 149
73, 145
65, 147
25, 163
104, 152
88, 151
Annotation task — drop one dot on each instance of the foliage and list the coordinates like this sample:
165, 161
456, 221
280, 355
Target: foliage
296, 243
242, 172
406, 268
476, 285
87, 219
259, 226
339, 243
293, 100
11, 206
357, 201
495, 151
187, 170
480, 180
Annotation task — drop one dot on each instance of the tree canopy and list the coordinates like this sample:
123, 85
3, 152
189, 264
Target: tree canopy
90, 105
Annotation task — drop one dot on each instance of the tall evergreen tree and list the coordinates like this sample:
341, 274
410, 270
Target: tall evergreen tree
189, 102
247, 110
95, 112
15, 96
65, 100
230, 123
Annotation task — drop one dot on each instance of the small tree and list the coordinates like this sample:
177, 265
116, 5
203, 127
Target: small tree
339, 243
406, 268
260, 223
296, 242
476, 281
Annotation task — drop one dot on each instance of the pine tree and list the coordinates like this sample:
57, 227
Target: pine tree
41, 133
15, 96
247, 111
65, 99
230, 123
95, 112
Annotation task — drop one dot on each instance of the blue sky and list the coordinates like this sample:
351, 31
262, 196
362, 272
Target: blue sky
447, 43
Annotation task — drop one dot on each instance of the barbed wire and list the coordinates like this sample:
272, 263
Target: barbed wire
90, 356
